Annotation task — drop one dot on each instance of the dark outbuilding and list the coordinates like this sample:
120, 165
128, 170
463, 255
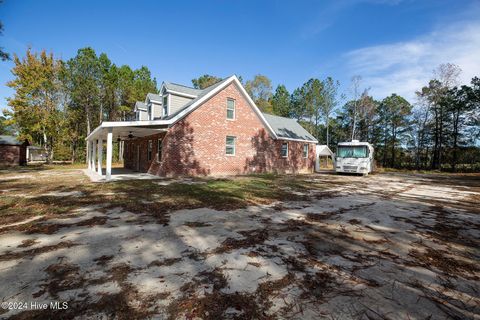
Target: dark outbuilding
13, 152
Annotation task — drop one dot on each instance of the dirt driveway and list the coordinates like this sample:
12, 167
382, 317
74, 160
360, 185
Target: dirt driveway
388, 246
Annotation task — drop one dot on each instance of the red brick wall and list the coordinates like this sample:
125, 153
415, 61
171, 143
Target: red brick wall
12, 155
196, 144
130, 153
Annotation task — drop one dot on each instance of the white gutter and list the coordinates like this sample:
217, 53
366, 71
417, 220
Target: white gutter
186, 95
299, 140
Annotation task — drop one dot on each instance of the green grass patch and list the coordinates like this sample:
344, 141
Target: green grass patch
26, 195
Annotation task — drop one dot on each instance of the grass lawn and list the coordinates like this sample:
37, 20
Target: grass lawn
35, 191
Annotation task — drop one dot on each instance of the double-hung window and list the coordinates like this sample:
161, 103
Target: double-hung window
159, 150
165, 105
305, 150
230, 145
284, 150
149, 150
230, 109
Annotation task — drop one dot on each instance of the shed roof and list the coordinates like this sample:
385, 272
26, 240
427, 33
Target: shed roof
323, 150
287, 128
11, 141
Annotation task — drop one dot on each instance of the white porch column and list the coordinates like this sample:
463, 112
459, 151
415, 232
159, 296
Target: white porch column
100, 155
94, 155
89, 162
109, 154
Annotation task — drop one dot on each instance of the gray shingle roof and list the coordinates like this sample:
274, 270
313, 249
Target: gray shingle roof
288, 128
10, 140
182, 89
154, 96
140, 105
324, 150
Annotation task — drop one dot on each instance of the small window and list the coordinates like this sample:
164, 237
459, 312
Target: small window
149, 150
159, 150
230, 109
165, 105
284, 150
305, 150
230, 145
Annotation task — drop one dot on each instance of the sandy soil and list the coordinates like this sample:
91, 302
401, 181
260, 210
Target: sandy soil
387, 246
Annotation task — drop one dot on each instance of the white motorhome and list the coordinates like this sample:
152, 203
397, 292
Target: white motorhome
354, 157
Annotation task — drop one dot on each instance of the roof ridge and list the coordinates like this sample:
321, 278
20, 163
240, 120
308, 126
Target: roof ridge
274, 115
182, 85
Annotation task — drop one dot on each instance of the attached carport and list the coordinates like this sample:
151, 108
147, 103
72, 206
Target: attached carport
121, 131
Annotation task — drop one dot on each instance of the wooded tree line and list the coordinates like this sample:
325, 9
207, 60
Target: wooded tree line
440, 131
58, 103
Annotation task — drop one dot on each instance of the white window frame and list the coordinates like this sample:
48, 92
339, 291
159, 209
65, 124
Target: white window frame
305, 156
234, 109
149, 150
159, 147
281, 150
165, 113
234, 146
150, 111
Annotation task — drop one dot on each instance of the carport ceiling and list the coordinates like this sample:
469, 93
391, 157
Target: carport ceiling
124, 132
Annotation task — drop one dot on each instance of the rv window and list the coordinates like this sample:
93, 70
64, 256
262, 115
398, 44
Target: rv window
352, 152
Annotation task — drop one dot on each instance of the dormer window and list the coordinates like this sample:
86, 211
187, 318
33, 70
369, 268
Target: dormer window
150, 113
230, 109
165, 105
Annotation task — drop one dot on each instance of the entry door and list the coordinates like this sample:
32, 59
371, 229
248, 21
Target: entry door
138, 159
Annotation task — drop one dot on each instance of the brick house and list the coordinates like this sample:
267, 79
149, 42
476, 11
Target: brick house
215, 131
13, 152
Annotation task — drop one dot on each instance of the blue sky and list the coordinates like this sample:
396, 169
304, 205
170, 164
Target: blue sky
393, 44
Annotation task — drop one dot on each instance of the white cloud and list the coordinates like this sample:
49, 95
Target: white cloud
329, 14
404, 67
